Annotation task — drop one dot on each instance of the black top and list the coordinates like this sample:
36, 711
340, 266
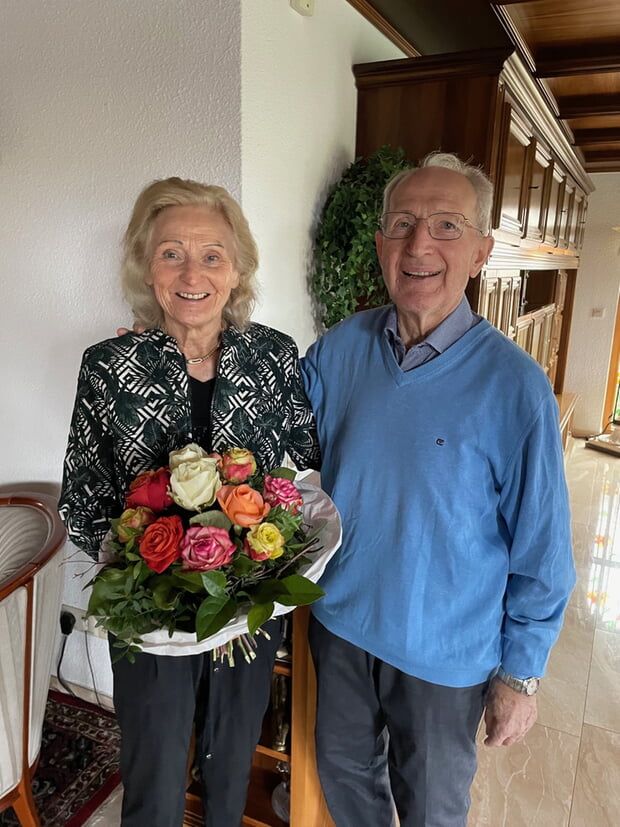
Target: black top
201, 395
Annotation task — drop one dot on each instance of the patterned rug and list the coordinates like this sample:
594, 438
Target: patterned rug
78, 767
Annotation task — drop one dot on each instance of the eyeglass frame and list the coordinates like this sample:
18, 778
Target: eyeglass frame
466, 222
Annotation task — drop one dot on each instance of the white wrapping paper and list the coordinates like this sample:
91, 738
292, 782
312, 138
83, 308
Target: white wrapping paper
317, 509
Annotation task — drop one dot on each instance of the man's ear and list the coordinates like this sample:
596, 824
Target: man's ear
379, 243
481, 256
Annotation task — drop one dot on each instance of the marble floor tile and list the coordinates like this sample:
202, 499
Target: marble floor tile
563, 690
109, 814
528, 784
596, 799
603, 697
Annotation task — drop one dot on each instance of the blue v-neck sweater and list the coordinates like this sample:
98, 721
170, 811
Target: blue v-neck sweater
450, 481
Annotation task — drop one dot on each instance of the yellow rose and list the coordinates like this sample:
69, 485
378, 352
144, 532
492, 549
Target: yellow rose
264, 542
195, 482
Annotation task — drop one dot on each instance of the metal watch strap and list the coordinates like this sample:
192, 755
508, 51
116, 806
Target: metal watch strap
526, 686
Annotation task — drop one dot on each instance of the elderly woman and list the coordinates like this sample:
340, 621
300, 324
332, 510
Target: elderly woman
200, 372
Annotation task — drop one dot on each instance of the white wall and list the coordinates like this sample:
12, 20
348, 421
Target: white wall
598, 283
298, 134
99, 97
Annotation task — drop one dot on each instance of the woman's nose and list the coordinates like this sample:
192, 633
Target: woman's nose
192, 271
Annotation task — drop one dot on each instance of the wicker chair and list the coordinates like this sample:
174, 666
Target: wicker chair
31, 539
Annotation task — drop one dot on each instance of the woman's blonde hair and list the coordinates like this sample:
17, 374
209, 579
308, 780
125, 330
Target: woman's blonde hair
177, 192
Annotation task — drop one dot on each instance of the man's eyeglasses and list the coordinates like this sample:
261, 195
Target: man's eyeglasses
442, 226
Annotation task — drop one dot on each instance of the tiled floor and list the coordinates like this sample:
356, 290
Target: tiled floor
567, 771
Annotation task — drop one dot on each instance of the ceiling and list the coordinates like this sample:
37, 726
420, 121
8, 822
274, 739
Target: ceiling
572, 48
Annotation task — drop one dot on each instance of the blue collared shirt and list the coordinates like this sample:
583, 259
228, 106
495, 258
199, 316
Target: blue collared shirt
447, 333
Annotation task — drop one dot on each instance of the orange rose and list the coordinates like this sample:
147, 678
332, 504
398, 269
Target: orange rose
242, 505
160, 543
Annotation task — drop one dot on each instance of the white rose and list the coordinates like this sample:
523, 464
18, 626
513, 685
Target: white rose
194, 483
190, 453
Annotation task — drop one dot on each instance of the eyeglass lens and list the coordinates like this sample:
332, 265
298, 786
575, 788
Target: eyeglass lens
441, 225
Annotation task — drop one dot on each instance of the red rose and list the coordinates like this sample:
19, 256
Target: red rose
160, 544
150, 489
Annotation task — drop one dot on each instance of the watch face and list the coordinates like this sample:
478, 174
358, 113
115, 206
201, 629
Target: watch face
531, 685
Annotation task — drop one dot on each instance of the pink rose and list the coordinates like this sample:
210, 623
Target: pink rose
206, 547
278, 491
237, 465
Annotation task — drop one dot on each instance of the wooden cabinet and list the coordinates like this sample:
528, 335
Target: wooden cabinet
307, 805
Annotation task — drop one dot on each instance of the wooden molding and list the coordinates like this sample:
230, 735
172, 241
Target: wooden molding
577, 60
367, 10
583, 106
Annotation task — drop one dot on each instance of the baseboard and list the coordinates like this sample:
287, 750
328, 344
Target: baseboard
84, 693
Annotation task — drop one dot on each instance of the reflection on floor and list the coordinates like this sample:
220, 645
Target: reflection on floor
567, 771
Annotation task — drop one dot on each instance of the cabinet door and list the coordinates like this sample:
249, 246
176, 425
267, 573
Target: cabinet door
546, 327
515, 178
488, 301
566, 216
578, 220
554, 206
523, 337
510, 306
538, 191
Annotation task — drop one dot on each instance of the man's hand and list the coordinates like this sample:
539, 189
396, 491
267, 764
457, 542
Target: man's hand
137, 328
508, 715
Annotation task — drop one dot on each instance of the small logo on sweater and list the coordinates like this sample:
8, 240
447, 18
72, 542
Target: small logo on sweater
439, 441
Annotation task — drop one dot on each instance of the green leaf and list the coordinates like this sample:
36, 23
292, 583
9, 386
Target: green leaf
212, 615
301, 591
242, 565
270, 590
164, 594
258, 615
211, 518
214, 582
283, 473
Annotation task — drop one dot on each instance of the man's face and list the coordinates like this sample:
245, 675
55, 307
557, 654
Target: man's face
425, 277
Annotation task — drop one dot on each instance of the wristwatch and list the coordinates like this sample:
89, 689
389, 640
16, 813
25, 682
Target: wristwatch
526, 686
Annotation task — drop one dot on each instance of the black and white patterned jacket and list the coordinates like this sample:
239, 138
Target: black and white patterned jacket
132, 407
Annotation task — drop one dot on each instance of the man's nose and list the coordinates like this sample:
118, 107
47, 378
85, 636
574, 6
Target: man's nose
420, 236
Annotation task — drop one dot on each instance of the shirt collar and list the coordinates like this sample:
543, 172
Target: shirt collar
446, 334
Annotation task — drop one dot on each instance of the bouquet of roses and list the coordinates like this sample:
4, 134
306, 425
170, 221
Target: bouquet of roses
201, 541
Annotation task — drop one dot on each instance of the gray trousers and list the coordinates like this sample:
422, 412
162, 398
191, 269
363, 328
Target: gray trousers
158, 699
387, 741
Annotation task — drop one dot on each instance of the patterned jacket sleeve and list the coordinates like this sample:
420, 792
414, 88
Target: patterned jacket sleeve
89, 498
303, 444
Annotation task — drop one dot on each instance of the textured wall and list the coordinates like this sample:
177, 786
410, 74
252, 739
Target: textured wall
598, 283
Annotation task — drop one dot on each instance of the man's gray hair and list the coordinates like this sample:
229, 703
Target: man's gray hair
447, 160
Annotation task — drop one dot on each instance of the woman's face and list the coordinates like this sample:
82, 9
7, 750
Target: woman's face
192, 267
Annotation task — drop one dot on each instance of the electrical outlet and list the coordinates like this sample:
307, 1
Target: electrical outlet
85, 623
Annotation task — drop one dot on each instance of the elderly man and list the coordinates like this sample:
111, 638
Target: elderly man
441, 449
